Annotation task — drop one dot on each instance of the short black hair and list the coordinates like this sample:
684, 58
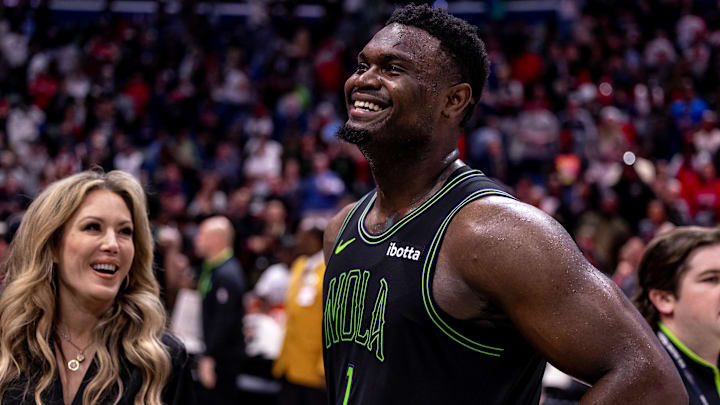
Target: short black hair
457, 37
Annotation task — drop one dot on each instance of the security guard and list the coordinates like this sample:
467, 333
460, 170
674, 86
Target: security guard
221, 285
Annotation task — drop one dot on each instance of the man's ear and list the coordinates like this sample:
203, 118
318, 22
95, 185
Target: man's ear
663, 300
457, 99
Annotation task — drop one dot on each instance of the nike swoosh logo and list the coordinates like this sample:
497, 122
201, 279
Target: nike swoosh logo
343, 245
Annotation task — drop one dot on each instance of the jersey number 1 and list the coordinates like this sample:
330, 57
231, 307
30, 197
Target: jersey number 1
349, 383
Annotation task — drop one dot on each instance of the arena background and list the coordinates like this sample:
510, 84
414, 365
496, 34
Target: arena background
601, 113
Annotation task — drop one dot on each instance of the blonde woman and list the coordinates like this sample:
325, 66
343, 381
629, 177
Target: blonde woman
80, 318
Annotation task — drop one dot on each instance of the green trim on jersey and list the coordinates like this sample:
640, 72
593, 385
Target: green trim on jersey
694, 357
345, 222
370, 239
430, 259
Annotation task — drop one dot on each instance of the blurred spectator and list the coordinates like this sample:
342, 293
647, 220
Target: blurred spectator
707, 138
625, 275
655, 220
14, 45
609, 230
581, 128
238, 211
127, 157
688, 109
668, 189
265, 328
23, 127
221, 285
322, 189
173, 269
8, 229
237, 88
300, 364
209, 199
329, 70
271, 287
273, 226
705, 203
633, 194
689, 29
263, 157
486, 149
227, 163
659, 51
537, 133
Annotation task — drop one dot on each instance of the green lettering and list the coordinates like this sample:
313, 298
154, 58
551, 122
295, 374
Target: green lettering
332, 306
348, 327
378, 321
344, 309
361, 337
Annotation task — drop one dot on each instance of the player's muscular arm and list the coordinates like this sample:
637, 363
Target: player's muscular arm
524, 262
332, 230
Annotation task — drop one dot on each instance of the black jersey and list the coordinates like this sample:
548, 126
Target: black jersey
385, 339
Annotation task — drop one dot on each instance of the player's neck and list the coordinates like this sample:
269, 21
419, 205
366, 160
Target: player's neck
402, 187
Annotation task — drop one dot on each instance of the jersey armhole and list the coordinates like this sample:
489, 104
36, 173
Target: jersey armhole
347, 220
428, 268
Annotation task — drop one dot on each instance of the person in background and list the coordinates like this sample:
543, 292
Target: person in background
81, 319
625, 275
264, 325
300, 364
173, 266
221, 285
322, 189
11, 227
679, 277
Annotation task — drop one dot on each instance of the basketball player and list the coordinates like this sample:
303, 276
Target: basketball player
440, 287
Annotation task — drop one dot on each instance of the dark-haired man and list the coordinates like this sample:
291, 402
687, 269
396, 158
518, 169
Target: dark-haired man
440, 287
679, 277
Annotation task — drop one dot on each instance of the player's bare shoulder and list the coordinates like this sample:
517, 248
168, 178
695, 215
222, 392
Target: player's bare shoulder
494, 241
504, 224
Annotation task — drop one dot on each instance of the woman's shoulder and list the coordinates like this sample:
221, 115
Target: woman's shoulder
179, 389
176, 348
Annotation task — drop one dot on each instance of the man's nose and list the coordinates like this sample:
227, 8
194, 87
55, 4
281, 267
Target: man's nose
368, 78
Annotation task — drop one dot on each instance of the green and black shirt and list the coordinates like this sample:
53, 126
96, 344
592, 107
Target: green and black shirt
701, 379
385, 339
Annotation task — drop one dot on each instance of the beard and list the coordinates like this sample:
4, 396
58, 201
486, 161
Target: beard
353, 135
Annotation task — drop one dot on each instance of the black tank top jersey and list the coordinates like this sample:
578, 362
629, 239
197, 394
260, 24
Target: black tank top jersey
385, 339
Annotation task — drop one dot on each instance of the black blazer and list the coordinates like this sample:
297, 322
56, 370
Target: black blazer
179, 389
222, 317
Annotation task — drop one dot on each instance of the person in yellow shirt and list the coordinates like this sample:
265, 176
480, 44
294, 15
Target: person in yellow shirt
300, 364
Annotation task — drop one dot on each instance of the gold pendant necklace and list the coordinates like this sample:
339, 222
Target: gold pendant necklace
73, 364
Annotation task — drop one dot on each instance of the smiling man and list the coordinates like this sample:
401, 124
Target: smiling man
440, 287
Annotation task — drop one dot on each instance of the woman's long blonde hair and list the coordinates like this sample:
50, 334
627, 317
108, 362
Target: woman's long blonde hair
133, 326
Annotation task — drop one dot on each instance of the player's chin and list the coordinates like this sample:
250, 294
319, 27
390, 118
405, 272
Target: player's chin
352, 133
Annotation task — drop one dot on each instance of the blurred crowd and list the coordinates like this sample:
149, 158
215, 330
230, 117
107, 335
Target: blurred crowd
603, 115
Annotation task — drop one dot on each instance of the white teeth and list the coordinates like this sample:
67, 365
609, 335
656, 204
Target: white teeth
367, 105
107, 267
